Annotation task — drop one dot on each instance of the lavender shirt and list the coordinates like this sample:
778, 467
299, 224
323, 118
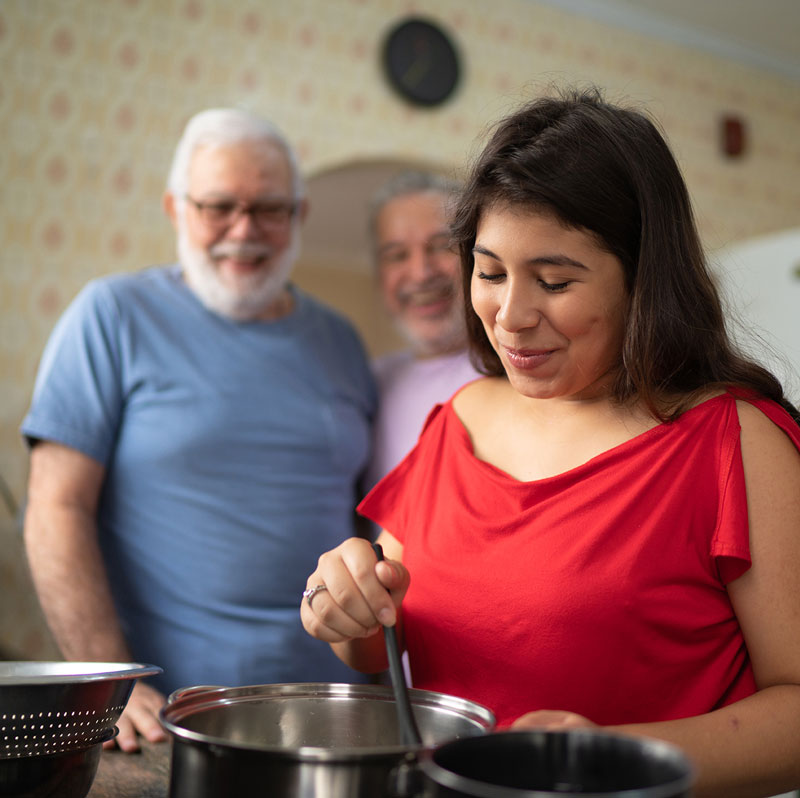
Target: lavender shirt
409, 387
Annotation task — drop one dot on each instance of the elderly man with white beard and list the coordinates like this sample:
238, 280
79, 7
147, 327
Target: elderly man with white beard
197, 435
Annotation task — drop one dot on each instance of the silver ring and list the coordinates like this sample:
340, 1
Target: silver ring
310, 592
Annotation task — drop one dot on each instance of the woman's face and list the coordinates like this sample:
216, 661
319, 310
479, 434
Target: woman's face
552, 301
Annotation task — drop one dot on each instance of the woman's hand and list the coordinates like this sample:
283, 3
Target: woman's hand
552, 719
360, 594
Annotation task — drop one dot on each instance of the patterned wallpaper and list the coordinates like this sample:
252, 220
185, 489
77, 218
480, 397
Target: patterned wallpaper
94, 93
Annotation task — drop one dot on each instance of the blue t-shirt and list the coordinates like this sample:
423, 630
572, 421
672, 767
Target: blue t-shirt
232, 450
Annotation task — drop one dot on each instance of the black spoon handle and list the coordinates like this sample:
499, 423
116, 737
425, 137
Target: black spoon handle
408, 726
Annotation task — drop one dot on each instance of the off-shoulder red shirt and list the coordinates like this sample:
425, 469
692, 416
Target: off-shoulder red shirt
600, 590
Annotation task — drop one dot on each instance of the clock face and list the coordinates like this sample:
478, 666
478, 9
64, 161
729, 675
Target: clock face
421, 62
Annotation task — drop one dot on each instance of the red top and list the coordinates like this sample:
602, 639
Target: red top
600, 591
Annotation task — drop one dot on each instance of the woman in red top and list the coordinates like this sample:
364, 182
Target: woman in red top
606, 529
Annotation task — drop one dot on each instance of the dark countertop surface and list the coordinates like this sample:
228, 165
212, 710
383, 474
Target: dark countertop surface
142, 775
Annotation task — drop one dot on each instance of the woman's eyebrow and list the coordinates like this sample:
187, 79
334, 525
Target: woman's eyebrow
539, 260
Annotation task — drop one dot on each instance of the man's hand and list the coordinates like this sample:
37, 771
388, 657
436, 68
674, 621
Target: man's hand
139, 717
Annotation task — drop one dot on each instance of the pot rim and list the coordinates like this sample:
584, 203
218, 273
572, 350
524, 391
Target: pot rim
183, 704
478, 789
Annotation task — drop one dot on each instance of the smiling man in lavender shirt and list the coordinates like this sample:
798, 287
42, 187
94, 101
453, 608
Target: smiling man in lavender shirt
419, 277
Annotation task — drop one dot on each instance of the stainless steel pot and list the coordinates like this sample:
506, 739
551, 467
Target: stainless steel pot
579, 763
304, 740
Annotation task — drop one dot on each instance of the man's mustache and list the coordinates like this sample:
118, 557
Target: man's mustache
243, 250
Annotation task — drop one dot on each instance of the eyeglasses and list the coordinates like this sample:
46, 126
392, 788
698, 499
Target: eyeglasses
266, 215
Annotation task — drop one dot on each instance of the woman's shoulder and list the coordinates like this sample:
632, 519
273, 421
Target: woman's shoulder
768, 428
476, 396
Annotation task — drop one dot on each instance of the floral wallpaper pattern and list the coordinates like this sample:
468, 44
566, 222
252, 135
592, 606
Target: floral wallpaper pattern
94, 93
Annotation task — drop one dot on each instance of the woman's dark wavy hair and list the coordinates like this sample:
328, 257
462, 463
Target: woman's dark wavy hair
608, 170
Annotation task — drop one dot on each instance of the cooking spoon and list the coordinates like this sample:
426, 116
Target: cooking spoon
409, 733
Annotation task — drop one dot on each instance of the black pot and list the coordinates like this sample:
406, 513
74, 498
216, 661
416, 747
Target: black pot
578, 763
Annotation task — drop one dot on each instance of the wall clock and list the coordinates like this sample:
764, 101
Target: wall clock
420, 62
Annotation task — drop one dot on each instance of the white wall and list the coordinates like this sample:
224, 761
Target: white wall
760, 278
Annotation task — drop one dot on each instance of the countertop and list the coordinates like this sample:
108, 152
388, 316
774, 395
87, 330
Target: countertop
146, 774
142, 775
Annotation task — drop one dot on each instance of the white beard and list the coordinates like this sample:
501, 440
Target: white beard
254, 294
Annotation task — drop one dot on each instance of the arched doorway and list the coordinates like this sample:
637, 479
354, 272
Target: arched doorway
335, 264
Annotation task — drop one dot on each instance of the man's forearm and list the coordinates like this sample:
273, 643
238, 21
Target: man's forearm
71, 582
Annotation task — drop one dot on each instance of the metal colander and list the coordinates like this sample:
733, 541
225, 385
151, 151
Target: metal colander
51, 707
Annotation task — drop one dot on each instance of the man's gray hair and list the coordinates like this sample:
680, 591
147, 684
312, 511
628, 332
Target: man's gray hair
219, 127
411, 181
